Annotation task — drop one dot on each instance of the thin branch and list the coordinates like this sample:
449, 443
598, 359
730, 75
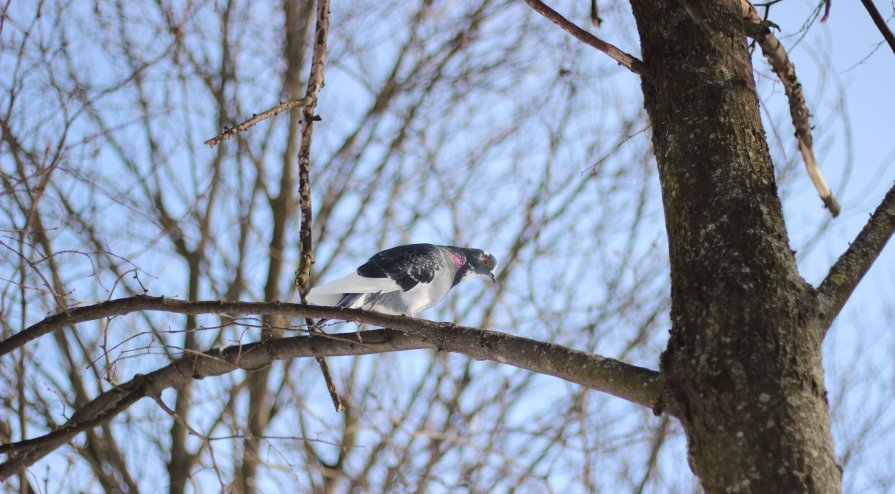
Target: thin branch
773, 50
635, 384
854, 263
315, 84
880, 23
595, 14
306, 258
624, 59
229, 133
202, 437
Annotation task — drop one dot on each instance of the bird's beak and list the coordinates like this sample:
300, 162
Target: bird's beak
493, 278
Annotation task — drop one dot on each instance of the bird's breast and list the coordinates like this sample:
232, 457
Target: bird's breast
424, 296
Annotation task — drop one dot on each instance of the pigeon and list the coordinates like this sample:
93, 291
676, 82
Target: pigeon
405, 280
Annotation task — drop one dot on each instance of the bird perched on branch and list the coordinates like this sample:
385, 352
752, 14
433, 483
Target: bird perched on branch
407, 279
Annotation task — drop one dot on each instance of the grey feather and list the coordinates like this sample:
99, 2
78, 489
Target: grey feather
407, 279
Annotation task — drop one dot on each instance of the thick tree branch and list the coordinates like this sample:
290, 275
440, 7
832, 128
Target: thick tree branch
851, 266
632, 383
759, 30
624, 59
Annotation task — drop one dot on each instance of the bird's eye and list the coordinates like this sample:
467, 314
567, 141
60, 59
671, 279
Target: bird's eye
485, 261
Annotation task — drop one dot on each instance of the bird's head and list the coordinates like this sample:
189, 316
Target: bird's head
482, 263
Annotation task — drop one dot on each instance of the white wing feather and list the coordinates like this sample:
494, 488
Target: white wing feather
330, 293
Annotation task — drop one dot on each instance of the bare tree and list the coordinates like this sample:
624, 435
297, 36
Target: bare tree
153, 330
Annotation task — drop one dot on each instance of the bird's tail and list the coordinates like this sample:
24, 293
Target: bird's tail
349, 299
328, 299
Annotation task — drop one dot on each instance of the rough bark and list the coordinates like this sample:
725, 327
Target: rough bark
743, 364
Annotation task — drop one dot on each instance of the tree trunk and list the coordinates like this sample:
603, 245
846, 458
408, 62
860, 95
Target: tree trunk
742, 370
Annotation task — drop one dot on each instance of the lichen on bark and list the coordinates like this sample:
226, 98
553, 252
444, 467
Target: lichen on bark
743, 368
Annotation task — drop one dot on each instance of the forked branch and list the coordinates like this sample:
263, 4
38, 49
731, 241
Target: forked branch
230, 132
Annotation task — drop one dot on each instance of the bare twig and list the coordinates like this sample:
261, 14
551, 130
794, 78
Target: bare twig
595, 14
624, 59
632, 383
315, 84
229, 133
773, 50
303, 273
204, 438
3, 15
851, 266
880, 23
827, 5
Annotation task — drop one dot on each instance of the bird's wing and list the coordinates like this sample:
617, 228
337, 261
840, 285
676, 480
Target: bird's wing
353, 283
398, 268
327, 299
406, 265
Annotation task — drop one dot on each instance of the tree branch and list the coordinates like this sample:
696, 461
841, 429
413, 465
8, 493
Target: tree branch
229, 133
854, 263
315, 84
880, 23
624, 59
759, 30
635, 384
306, 258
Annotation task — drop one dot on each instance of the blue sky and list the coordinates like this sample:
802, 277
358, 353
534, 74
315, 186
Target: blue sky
849, 90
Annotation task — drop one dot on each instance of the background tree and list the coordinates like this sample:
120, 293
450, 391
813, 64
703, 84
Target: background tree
474, 123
